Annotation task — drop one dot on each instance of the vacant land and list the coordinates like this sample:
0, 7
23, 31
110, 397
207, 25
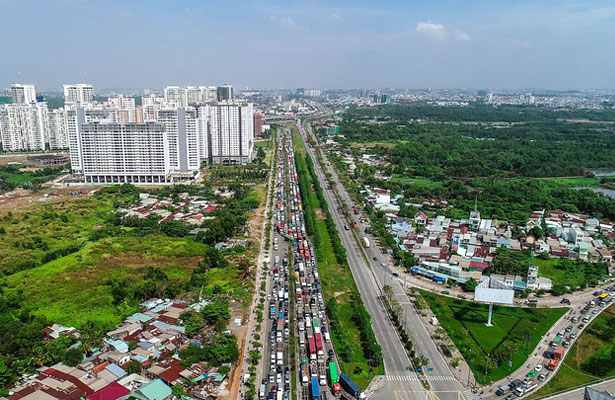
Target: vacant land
576, 369
34, 235
515, 333
74, 289
417, 181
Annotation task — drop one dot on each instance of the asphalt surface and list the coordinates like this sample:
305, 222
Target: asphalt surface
401, 381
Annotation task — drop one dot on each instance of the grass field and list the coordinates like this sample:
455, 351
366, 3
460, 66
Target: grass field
43, 228
416, 181
576, 181
464, 323
570, 374
72, 290
337, 282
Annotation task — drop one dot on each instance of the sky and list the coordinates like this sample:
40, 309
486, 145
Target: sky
475, 44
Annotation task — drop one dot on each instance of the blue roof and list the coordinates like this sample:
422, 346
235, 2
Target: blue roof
119, 345
116, 370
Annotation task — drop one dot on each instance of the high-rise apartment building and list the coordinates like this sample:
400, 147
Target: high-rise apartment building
183, 131
23, 94
225, 93
79, 93
75, 118
184, 96
58, 129
231, 129
124, 153
24, 126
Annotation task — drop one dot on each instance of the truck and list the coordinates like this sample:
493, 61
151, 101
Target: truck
315, 389
305, 374
552, 365
319, 348
312, 348
365, 241
349, 386
559, 353
334, 380
502, 389
280, 354
530, 386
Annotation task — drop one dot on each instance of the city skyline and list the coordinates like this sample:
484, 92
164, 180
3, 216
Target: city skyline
446, 44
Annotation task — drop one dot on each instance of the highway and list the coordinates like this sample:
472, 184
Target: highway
401, 380
299, 312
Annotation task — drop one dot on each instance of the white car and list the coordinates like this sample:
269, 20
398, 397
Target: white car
538, 368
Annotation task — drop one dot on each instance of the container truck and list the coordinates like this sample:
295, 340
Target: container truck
334, 380
312, 348
319, 348
365, 241
315, 389
349, 386
280, 355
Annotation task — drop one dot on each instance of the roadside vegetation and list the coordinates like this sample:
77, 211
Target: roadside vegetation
592, 357
350, 326
488, 350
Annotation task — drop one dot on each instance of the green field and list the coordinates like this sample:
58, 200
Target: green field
515, 333
73, 289
587, 345
31, 234
576, 181
416, 181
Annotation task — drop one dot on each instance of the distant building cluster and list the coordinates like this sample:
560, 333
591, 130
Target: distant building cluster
150, 338
163, 140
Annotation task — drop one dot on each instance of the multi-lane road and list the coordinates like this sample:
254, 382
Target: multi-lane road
295, 305
370, 271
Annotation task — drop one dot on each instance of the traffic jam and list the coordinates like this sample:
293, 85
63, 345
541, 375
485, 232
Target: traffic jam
317, 372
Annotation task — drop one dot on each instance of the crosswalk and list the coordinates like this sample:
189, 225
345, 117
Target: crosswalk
409, 378
469, 395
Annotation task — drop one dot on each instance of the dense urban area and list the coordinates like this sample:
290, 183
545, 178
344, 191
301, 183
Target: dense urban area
206, 242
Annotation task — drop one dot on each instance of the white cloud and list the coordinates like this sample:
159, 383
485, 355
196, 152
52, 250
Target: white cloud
439, 32
435, 31
286, 22
461, 36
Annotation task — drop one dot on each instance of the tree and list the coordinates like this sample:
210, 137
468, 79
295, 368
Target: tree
216, 312
73, 357
470, 285
178, 391
134, 367
193, 321
91, 337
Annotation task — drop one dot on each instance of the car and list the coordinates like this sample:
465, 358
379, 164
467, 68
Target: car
446, 292
531, 374
542, 377
510, 396
574, 320
395, 274
595, 311
375, 259
581, 326
573, 335
538, 368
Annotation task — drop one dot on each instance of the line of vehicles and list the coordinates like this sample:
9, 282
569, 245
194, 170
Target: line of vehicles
317, 369
557, 347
